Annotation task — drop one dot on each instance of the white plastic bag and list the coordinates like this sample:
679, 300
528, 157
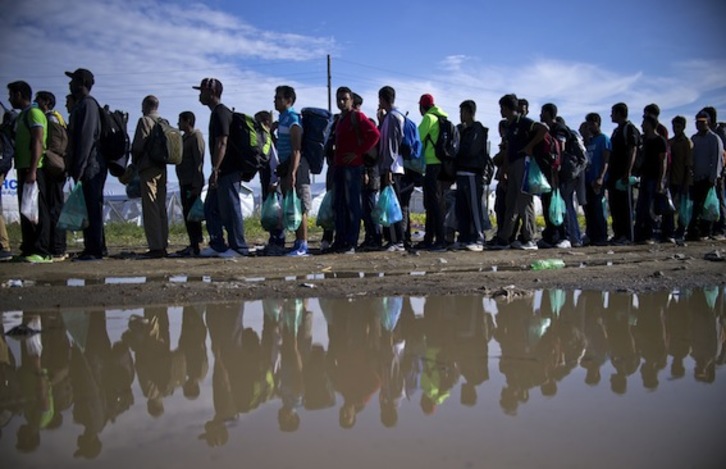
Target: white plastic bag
29, 207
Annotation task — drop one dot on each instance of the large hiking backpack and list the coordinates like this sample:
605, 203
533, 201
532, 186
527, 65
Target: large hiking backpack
248, 145
446, 146
164, 145
574, 157
114, 143
56, 152
316, 125
411, 147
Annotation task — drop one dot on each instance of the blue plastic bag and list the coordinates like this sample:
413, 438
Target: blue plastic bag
196, 213
534, 181
74, 215
271, 212
291, 211
685, 212
388, 209
326, 213
557, 209
711, 207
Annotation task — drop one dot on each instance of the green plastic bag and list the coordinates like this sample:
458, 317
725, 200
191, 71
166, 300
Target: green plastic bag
196, 213
534, 181
74, 215
291, 211
326, 213
711, 206
685, 212
388, 209
271, 212
557, 209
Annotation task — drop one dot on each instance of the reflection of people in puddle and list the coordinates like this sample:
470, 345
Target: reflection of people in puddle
596, 350
473, 329
650, 338
678, 332
160, 370
56, 359
440, 373
10, 391
391, 351
296, 331
705, 340
619, 320
570, 342
192, 344
354, 336
37, 394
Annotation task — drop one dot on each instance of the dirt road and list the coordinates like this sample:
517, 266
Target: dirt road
174, 281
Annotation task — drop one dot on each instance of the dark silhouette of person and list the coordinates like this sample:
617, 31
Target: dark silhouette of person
619, 319
192, 344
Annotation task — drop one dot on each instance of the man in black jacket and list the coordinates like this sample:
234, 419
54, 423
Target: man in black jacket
470, 163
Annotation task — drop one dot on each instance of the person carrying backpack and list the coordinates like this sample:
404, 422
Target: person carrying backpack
626, 141
85, 161
153, 181
471, 160
7, 154
436, 133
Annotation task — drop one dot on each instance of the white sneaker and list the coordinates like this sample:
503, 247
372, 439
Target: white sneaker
209, 252
564, 244
229, 254
474, 247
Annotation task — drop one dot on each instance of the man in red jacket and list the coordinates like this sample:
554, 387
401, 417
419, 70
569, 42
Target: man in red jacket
355, 135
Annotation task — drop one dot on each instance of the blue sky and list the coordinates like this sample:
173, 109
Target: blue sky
583, 56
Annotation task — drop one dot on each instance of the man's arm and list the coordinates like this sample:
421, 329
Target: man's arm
296, 143
539, 135
36, 152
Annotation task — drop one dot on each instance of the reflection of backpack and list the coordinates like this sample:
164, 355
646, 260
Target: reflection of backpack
114, 143
447, 144
164, 145
249, 145
56, 152
316, 125
411, 147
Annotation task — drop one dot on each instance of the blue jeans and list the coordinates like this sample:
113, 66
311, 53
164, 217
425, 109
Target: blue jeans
94, 237
373, 230
572, 225
347, 181
222, 209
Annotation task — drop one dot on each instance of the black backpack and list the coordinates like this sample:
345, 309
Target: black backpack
7, 139
447, 143
316, 124
248, 145
574, 157
114, 143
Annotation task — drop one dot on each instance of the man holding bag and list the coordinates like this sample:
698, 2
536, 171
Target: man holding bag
30, 137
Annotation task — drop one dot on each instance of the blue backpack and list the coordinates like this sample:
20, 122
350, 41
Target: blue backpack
411, 147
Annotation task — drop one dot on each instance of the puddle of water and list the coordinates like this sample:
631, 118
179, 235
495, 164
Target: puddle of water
475, 379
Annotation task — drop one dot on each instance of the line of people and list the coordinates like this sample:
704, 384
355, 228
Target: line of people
364, 157
376, 347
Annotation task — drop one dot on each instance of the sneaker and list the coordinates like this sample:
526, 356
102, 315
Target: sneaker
348, 251
86, 257
274, 250
395, 247
188, 251
299, 249
5, 255
564, 244
474, 247
526, 246
325, 245
229, 254
153, 254
209, 251
543, 244
621, 241
497, 244
37, 259
437, 247
60, 257
422, 246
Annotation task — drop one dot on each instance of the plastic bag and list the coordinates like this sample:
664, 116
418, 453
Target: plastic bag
388, 209
271, 212
326, 213
711, 207
29, 206
685, 212
291, 211
557, 209
196, 213
534, 181
74, 215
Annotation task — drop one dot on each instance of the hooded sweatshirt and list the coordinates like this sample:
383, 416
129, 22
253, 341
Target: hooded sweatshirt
428, 130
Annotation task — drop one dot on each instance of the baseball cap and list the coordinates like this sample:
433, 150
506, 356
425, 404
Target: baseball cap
211, 84
82, 75
426, 100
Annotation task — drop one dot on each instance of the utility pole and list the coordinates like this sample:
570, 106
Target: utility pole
330, 102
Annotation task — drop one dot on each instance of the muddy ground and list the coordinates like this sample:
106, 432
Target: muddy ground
177, 281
